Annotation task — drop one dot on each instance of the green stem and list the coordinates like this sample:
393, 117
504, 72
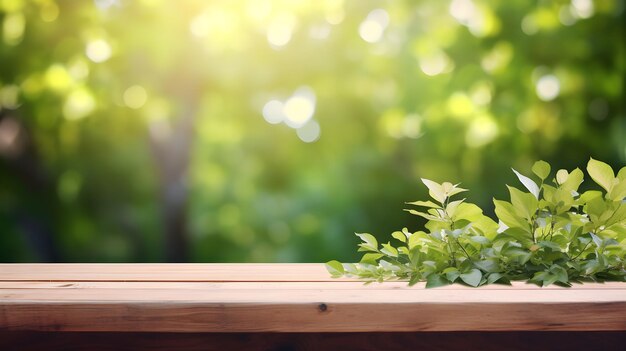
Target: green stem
463, 248
581, 251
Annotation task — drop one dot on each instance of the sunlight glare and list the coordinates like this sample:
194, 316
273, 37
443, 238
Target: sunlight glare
299, 108
13, 28
582, 8
373, 27
106, 4
463, 11
199, 26
481, 132
548, 87
98, 50
57, 78
309, 132
280, 30
79, 104
435, 63
273, 112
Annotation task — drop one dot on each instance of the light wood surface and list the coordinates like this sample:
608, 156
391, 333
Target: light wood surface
283, 298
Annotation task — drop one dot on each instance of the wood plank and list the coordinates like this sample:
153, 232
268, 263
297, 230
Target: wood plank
210, 272
436, 341
283, 298
262, 285
165, 272
192, 316
304, 296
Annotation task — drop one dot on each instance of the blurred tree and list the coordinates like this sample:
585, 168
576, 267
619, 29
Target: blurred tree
270, 130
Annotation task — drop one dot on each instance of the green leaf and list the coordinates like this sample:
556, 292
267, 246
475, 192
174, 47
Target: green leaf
522, 256
472, 277
452, 273
561, 176
562, 200
621, 175
418, 238
618, 216
424, 204
522, 236
388, 266
494, 277
541, 169
435, 280
525, 204
506, 213
573, 181
590, 195
435, 190
618, 192
596, 240
415, 278
596, 209
371, 258
369, 241
528, 183
544, 278
474, 215
467, 211
481, 240
601, 173
452, 190
560, 273
425, 215
490, 265
389, 250
399, 236
549, 244
452, 207
335, 268
485, 226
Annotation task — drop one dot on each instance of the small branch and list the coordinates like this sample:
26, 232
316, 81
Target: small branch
581, 251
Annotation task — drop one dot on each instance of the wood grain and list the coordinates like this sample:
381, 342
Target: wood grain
283, 298
160, 272
304, 285
435, 341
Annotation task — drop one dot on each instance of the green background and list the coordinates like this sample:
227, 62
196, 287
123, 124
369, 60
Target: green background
133, 131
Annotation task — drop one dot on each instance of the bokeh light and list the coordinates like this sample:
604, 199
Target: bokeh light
373, 27
79, 104
435, 63
309, 132
548, 87
273, 112
135, 96
281, 29
299, 108
582, 8
98, 50
13, 28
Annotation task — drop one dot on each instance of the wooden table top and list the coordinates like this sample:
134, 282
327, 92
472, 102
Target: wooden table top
283, 298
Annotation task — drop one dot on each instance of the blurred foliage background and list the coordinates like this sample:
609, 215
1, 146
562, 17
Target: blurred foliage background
270, 131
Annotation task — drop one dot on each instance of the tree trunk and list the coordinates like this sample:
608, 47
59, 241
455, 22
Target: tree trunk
34, 219
171, 145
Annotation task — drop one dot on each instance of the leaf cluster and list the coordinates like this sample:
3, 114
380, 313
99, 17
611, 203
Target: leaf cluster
547, 233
